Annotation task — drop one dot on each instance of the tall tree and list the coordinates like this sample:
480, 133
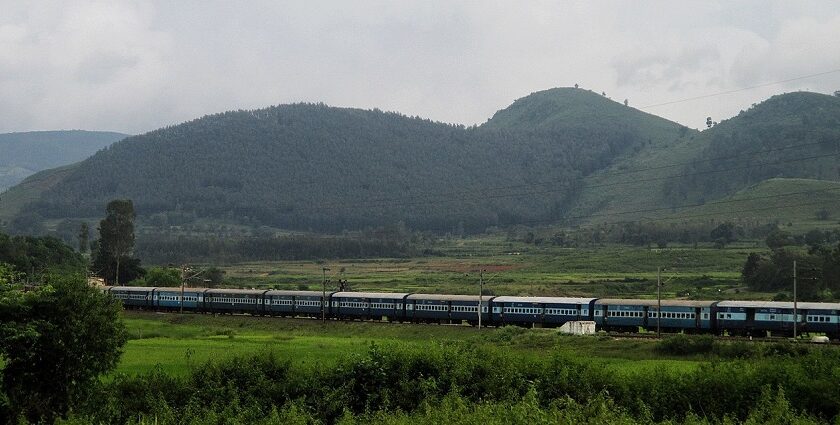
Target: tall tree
116, 233
84, 237
56, 341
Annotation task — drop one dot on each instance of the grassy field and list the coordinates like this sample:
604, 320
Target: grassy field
519, 269
175, 343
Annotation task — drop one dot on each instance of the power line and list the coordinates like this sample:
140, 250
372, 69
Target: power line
740, 89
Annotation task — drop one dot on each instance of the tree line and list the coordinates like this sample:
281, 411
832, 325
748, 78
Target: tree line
817, 266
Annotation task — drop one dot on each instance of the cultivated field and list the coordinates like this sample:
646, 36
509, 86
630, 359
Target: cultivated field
519, 269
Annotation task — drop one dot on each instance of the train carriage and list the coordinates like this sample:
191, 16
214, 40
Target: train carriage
172, 298
308, 303
550, 311
291, 303
821, 318
133, 296
676, 315
369, 305
428, 307
235, 301
755, 317
465, 308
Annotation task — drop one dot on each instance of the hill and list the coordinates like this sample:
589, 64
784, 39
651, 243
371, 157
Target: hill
804, 203
314, 167
24, 154
795, 135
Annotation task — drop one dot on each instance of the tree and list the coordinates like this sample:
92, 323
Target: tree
84, 237
709, 122
751, 267
626, 102
56, 341
116, 233
214, 276
7, 275
777, 239
723, 234
162, 276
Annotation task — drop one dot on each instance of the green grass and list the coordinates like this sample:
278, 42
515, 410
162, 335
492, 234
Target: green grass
176, 343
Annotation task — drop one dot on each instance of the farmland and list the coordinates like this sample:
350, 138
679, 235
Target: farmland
513, 268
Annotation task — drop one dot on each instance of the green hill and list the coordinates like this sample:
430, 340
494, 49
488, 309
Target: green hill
795, 135
557, 156
314, 167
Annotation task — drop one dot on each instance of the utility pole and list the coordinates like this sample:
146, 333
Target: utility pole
184, 270
480, 294
324, 297
658, 301
795, 321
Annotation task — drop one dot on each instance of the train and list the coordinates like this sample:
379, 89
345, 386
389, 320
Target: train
749, 318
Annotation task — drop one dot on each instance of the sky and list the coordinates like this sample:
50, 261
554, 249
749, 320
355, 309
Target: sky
136, 66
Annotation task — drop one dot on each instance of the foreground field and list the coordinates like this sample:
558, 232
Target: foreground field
176, 343
236, 369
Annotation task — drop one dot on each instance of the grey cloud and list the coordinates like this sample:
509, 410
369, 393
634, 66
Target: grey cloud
133, 67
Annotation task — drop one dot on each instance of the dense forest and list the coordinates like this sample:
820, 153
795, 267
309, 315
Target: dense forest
314, 167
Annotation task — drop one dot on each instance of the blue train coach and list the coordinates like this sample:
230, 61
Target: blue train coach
235, 301
133, 296
293, 303
676, 315
173, 298
369, 305
542, 311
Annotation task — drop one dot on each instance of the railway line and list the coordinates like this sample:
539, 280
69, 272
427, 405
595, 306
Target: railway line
756, 319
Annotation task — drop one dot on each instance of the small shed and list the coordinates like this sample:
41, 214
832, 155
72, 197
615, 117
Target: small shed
580, 327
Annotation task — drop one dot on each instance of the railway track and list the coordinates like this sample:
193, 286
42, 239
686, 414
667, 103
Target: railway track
775, 339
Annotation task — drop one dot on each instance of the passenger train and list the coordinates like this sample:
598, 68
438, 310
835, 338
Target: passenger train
757, 318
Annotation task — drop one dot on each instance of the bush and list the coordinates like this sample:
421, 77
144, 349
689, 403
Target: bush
682, 345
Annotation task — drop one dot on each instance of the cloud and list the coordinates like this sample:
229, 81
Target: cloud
134, 67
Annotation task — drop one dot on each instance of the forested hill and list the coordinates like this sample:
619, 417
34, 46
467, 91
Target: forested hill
24, 154
310, 166
795, 135
567, 109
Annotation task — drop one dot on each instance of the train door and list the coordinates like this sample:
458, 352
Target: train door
698, 314
749, 323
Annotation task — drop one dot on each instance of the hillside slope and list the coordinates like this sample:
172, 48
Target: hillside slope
795, 135
805, 203
24, 154
327, 169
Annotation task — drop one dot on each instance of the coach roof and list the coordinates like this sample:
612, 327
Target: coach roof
378, 295
543, 300
653, 303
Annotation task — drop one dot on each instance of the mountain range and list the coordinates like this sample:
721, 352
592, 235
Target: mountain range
561, 156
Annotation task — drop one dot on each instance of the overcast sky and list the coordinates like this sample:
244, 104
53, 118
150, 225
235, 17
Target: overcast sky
136, 66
